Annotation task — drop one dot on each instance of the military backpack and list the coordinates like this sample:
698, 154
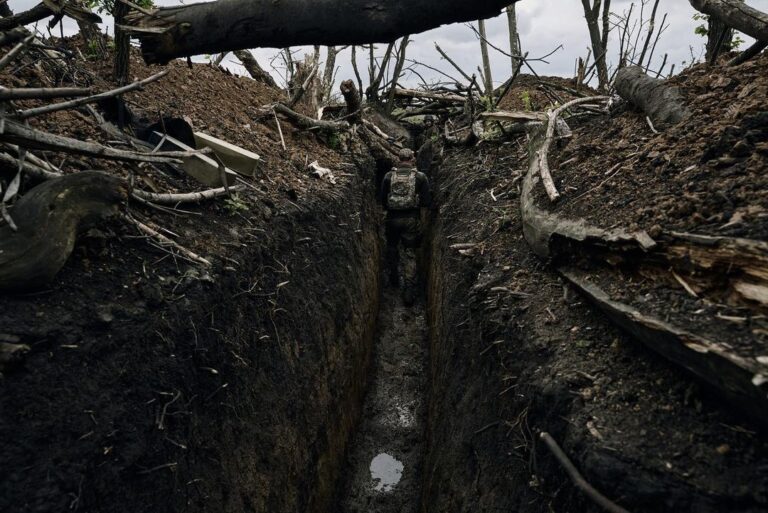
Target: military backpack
402, 190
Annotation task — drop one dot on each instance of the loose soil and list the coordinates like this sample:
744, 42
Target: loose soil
384, 468
706, 174
514, 352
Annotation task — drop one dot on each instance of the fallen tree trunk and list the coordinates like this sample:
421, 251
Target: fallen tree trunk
48, 219
736, 14
442, 97
662, 103
37, 13
307, 123
27, 137
227, 25
752, 51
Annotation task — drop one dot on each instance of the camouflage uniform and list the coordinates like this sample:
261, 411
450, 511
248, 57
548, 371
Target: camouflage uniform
403, 222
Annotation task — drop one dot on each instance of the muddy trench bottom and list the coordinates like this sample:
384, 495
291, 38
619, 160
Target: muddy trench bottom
384, 465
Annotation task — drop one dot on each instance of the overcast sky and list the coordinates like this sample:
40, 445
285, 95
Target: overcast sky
543, 26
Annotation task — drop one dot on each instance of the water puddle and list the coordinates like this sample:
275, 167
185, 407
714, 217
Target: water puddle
386, 472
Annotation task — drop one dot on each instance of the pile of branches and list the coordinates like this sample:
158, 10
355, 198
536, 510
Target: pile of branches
38, 228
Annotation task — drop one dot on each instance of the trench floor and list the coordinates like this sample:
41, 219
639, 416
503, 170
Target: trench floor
385, 461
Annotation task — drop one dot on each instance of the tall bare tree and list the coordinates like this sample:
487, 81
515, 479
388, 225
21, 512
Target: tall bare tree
396, 74
487, 77
329, 73
514, 39
599, 36
122, 44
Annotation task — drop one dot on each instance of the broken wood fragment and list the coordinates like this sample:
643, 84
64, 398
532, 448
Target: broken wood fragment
166, 242
741, 380
202, 168
48, 219
27, 137
514, 116
253, 68
417, 93
352, 99
234, 157
185, 197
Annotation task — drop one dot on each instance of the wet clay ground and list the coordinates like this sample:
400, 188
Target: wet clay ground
384, 467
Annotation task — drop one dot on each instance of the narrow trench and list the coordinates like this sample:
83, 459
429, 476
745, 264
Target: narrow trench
383, 472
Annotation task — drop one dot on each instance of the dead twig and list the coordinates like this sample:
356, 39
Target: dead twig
181, 198
165, 241
39, 93
576, 477
45, 109
15, 51
279, 130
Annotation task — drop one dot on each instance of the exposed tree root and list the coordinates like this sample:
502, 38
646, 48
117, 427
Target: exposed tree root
48, 219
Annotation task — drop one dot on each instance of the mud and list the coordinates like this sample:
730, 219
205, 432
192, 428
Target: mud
385, 464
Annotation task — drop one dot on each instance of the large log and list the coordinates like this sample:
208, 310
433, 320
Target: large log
736, 14
227, 25
253, 68
48, 219
662, 103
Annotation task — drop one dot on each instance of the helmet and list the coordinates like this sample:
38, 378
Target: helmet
429, 119
405, 154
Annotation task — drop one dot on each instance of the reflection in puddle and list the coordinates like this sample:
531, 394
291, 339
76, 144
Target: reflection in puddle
386, 472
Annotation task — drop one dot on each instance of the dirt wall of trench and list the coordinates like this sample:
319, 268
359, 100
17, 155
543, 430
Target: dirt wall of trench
154, 385
514, 352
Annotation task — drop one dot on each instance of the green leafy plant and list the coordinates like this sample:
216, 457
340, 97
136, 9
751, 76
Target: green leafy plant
525, 96
703, 31
235, 205
333, 141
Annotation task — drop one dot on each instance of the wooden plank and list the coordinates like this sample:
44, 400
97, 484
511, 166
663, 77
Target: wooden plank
202, 168
234, 157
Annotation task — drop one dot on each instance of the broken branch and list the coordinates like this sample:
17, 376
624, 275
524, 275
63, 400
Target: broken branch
576, 477
45, 109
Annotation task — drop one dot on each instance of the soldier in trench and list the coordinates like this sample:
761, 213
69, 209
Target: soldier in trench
428, 143
404, 192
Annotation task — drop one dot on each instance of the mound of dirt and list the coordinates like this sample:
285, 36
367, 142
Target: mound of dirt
706, 174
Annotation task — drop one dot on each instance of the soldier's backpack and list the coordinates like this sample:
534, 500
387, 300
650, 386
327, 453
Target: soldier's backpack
402, 190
